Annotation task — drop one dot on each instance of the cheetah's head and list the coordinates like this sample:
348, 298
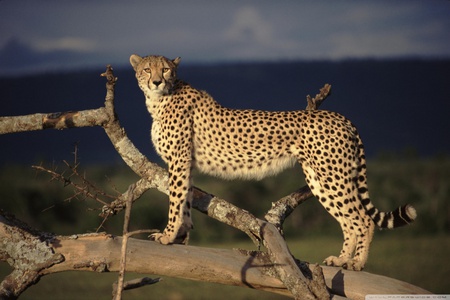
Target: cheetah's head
155, 74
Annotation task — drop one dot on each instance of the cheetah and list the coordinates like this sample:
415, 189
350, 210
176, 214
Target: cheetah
191, 130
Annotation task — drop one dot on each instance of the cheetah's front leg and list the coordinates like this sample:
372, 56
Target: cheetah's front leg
180, 198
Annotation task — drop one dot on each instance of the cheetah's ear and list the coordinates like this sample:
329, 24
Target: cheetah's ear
176, 61
135, 60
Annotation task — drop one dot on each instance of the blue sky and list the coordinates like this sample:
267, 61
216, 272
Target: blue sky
54, 34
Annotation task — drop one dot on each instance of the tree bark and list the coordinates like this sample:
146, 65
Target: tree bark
39, 253
230, 267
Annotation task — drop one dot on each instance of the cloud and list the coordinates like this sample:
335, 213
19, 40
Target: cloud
76, 44
257, 33
249, 26
109, 31
18, 57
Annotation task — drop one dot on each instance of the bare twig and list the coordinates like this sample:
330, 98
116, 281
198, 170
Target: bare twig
86, 188
123, 252
314, 103
119, 204
120, 286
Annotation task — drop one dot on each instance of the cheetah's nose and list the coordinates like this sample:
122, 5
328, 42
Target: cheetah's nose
157, 83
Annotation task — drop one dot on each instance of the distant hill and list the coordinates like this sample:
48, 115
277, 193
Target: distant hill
397, 105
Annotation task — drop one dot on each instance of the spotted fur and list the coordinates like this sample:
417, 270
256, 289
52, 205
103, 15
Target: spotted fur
191, 130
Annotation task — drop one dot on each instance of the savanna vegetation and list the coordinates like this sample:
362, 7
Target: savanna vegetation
416, 254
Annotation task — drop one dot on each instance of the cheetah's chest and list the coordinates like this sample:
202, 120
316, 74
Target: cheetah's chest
157, 139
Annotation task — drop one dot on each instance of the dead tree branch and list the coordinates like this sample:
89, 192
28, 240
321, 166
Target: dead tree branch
101, 252
23, 249
59, 120
314, 103
123, 251
120, 285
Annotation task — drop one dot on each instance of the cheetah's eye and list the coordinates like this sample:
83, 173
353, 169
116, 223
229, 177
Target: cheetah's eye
165, 70
148, 70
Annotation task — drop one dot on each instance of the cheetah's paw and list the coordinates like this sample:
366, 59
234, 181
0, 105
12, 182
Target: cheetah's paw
181, 238
344, 262
161, 238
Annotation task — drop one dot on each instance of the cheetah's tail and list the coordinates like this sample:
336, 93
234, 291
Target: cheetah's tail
402, 216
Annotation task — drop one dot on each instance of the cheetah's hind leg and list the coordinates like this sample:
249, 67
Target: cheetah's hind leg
340, 205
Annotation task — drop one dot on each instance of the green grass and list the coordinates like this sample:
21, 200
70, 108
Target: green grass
422, 261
